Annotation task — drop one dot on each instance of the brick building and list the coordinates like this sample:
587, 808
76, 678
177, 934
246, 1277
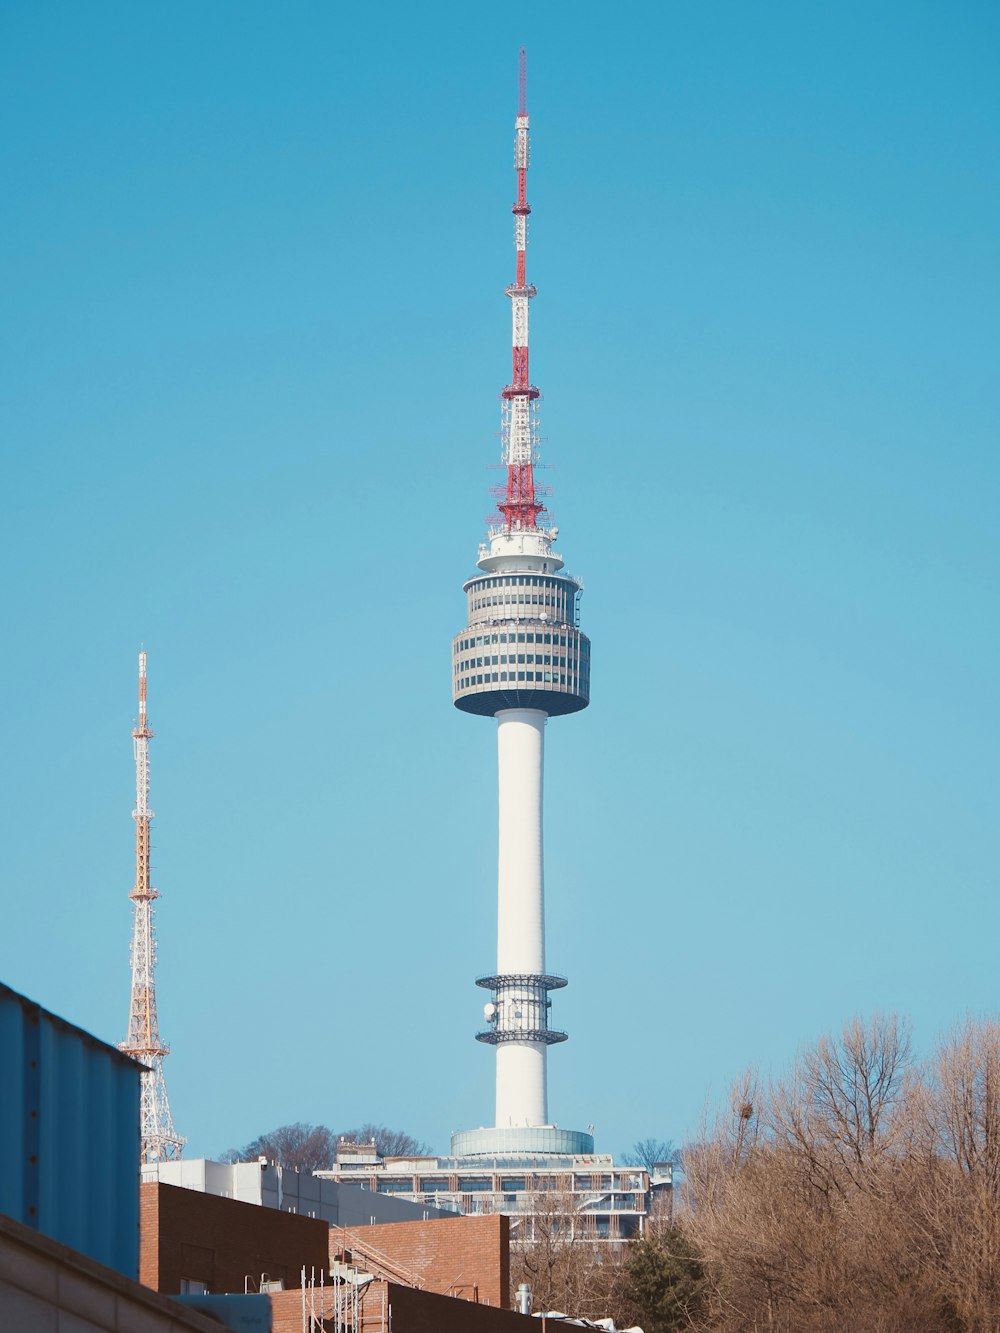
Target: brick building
390, 1307
467, 1257
191, 1242
396, 1277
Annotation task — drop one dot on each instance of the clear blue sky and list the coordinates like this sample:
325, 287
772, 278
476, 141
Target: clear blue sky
253, 259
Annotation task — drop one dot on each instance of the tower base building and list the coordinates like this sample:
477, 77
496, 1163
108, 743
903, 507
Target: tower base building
593, 1199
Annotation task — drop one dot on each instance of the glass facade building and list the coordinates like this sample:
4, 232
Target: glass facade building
580, 1197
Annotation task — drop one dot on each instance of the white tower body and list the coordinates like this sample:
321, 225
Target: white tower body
521, 1087
522, 659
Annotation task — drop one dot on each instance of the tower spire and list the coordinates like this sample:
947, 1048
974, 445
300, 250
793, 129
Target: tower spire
519, 505
160, 1142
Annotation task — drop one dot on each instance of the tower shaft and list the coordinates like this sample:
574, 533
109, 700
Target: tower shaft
158, 1137
521, 1005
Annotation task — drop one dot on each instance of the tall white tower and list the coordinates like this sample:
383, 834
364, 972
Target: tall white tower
522, 659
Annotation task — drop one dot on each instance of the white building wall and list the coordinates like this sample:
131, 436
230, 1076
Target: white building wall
301, 1192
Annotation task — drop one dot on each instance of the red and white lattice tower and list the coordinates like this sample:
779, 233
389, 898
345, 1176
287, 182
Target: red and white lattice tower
522, 659
160, 1143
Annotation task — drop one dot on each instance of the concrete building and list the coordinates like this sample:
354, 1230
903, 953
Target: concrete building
347, 1204
47, 1287
585, 1195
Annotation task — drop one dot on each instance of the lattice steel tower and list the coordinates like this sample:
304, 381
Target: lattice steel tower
521, 659
160, 1142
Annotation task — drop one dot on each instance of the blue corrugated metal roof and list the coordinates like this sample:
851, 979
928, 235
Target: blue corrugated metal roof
69, 1134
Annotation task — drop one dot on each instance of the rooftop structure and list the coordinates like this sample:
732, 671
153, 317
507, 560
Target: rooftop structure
303, 1192
521, 659
160, 1142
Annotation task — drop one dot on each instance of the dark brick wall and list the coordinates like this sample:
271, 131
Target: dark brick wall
186, 1234
412, 1312
428, 1312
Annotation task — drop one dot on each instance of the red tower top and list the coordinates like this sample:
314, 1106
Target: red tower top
519, 503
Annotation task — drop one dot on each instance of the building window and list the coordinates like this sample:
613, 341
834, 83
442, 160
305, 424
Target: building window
400, 1185
473, 1184
193, 1286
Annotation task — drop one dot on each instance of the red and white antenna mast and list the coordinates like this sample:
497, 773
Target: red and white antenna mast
520, 505
160, 1143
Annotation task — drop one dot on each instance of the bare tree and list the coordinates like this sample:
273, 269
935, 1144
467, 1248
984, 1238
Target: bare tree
800, 1196
957, 1213
299, 1147
648, 1152
565, 1270
838, 1108
303, 1147
388, 1142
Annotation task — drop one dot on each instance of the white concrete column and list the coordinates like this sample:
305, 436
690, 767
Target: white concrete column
521, 1090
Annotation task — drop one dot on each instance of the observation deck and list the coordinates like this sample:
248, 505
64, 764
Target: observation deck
522, 647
